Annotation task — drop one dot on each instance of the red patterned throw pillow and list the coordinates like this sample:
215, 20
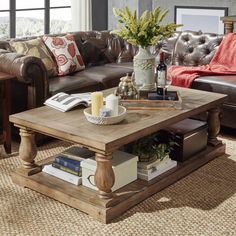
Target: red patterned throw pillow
66, 53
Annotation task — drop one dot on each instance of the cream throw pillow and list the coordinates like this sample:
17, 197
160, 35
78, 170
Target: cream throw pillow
37, 48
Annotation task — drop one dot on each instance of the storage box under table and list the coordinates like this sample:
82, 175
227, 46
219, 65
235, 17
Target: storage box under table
191, 138
124, 166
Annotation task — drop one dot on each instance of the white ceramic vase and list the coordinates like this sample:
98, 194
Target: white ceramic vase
144, 69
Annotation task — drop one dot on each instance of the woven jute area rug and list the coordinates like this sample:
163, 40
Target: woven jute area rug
203, 203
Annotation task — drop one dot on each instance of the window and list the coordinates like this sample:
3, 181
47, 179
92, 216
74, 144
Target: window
4, 19
57, 24
4, 25
26, 17
59, 8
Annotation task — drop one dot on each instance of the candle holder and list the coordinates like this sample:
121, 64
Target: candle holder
98, 120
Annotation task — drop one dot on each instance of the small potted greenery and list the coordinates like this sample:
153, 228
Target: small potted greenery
153, 147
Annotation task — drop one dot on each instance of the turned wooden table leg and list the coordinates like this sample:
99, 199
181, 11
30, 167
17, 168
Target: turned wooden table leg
213, 121
104, 175
27, 153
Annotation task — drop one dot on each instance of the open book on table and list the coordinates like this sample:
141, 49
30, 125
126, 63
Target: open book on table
64, 102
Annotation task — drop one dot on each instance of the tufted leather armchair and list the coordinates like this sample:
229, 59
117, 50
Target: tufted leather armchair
197, 48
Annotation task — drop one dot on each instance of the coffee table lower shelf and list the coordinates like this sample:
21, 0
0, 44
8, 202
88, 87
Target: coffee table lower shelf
105, 210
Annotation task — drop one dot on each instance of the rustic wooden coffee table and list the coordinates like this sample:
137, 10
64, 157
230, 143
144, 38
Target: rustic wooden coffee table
104, 205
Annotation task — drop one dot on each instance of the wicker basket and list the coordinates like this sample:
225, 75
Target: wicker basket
105, 120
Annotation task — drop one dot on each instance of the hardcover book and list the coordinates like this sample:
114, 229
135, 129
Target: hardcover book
66, 169
67, 162
73, 179
78, 153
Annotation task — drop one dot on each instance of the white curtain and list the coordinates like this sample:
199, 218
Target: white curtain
81, 15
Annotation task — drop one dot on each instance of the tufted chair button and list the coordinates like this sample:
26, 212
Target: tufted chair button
207, 51
202, 40
190, 49
186, 38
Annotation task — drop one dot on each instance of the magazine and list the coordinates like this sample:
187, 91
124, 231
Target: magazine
64, 102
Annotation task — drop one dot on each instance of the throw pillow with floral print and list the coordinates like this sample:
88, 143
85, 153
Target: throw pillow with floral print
66, 53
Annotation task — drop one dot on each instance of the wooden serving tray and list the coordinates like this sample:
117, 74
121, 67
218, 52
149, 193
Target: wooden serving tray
145, 104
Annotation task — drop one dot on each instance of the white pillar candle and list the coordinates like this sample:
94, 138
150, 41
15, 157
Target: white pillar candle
97, 103
112, 103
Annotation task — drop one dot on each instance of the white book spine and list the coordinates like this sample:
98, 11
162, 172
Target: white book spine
73, 179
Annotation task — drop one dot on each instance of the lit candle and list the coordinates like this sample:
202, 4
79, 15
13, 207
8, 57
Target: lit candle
97, 103
112, 102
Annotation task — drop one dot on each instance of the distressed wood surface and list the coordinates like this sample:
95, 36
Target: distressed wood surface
105, 210
73, 126
105, 205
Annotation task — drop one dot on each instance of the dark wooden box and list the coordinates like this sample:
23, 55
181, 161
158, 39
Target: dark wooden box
191, 138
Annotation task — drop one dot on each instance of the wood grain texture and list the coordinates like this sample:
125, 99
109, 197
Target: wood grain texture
228, 23
105, 210
73, 126
104, 175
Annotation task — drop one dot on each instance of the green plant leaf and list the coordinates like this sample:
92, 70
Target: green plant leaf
143, 31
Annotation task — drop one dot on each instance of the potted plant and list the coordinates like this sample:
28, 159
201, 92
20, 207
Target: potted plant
153, 147
143, 31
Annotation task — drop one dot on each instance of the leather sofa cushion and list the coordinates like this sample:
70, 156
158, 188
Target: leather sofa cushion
74, 83
225, 84
124, 65
92, 52
91, 79
109, 74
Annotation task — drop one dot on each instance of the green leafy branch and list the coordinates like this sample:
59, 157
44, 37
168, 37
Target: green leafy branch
144, 31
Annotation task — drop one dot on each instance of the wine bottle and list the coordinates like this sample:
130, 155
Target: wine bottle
161, 71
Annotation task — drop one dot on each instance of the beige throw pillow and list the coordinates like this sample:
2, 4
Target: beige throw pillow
37, 48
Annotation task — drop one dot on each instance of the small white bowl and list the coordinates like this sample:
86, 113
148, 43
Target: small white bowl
105, 120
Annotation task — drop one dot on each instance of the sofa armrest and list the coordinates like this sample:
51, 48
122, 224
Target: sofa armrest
29, 70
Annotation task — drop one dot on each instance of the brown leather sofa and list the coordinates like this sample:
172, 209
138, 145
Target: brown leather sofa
100, 51
107, 58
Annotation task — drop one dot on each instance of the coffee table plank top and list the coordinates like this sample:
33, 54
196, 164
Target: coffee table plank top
73, 126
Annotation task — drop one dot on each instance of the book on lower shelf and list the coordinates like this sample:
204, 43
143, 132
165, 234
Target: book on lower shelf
66, 169
157, 168
65, 161
65, 102
78, 153
73, 179
67, 164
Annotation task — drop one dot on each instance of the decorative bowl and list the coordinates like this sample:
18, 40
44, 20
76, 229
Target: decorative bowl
98, 120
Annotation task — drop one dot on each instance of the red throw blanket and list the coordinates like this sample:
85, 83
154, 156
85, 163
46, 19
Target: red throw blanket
223, 62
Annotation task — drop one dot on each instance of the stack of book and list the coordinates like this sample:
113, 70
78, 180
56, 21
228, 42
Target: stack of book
150, 170
67, 165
